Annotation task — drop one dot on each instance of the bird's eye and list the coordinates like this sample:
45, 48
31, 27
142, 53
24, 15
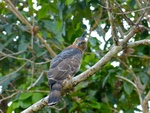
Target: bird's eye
82, 43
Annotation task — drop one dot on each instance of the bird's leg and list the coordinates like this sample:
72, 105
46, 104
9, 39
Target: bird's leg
68, 82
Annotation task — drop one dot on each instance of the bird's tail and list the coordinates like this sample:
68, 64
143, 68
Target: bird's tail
55, 94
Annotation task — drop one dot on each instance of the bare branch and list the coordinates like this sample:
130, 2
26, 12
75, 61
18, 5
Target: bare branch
129, 12
8, 75
145, 102
138, 43
111, 20
138, 85
10, 96
121, 77
32, 85
125, 16
38, 105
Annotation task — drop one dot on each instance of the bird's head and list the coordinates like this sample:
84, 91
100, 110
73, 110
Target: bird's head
81, 42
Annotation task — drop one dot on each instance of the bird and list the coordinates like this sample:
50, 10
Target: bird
64, 65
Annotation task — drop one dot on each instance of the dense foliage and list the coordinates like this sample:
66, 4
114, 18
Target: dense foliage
24, 58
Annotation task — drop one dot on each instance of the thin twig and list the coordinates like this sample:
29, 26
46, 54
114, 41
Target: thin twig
32, 85
8, 75
129, 12
124, 15
138, 43
96, 21
8, 97
111, 20
10, 55
128, 81
137, 82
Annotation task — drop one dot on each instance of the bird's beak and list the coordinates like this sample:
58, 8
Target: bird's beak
83, 36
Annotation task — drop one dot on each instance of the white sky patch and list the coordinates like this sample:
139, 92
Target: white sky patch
1, 89
72, 17
123, 10
35, 5
140, 108
21, 4
115, 105
34, 1
149, 105
86, 22
126, 25
131, 40
119, 35
29, 18
132, 19
103, 26
108, 34
4, 32
100, 38
18, 22
16, 38
9, 104
115, 63
120, 111
133, 14
92, 8
26, 9
34, 14
52, 1
120, 53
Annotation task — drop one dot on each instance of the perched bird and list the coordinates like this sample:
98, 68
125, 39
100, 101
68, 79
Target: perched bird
65, 64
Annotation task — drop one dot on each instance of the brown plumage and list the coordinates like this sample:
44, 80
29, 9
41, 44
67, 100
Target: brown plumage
65, 64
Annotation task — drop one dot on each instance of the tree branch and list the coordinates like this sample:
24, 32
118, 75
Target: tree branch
138, 43
145, 102
111, 20
17, 13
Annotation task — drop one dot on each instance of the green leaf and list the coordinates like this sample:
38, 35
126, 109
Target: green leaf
93, 41
22, 46
39, 53
144, 78
68, 2
15, 105
10, 109
95, 104
24, 96
128, 88
7, 79
73, 108
25, 103
36, 97
30, 3
8, 29
43, 11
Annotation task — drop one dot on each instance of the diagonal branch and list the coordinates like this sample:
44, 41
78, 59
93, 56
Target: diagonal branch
23, 20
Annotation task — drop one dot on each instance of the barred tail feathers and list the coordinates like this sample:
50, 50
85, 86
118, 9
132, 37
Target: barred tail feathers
55, 94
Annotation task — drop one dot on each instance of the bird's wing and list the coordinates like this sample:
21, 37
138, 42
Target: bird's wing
65, 64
